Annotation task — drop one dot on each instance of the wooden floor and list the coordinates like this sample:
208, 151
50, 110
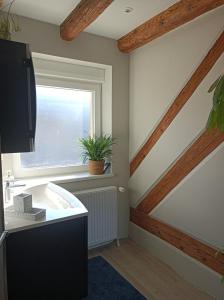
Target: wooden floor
154, 279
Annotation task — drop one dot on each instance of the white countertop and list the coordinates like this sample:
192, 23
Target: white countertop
52, 198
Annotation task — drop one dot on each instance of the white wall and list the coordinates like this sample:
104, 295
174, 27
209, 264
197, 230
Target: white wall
158, 72
196, 206
44, 38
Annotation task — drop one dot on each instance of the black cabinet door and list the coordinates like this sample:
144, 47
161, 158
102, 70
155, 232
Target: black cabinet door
49, 262
17, 98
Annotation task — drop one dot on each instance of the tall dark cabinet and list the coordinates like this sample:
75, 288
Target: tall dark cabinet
17, 117
17, 98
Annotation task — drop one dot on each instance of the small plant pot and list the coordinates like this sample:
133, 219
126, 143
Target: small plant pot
96, 167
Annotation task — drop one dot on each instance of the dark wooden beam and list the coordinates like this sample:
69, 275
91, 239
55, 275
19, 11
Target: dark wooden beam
82, 16
182, 241
201, 147
205, 66
171, 18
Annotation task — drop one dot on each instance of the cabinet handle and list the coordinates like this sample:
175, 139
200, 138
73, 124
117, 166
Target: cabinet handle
30, 123
34, 100
31, 94
28, 62
2, 237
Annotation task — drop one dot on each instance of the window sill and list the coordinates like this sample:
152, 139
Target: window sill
82, 176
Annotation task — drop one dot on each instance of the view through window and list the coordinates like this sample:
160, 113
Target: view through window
63, 116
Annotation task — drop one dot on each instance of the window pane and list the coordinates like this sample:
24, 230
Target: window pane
63, 116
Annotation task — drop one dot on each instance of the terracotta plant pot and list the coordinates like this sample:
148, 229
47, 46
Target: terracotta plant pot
96, 167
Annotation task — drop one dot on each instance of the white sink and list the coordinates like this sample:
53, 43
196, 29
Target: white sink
59, 204
49, 196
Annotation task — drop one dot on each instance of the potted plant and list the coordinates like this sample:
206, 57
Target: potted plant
8, 25
96, 150
216, 117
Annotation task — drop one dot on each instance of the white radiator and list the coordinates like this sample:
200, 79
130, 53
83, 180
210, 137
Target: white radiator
101, 204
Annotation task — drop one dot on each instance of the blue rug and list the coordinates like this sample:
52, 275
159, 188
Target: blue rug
105, 283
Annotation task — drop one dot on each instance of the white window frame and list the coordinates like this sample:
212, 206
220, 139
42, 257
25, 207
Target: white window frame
73, 70
20, 172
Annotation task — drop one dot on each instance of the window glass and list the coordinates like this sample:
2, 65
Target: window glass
63, 116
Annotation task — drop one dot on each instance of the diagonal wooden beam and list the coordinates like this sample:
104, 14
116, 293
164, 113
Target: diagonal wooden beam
82, 16
201, 147
192, 247
171, 18
205, 66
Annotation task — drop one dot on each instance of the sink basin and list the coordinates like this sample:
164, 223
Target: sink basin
49, 196
59, 205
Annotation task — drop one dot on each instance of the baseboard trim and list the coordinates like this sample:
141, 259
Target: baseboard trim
192, 271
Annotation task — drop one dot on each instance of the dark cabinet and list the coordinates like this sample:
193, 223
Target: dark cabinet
48, 262
17, 98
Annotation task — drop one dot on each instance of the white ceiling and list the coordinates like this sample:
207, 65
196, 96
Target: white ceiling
113, 23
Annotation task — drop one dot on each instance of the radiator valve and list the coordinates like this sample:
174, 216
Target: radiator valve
122, 189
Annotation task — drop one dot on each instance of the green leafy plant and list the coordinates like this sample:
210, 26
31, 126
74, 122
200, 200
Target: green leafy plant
96, 148
8, 25
216, 117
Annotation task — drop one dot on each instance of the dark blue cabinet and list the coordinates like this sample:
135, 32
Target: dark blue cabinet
48, 262
17, 98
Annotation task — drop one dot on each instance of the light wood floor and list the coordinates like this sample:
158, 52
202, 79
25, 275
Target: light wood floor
154, 279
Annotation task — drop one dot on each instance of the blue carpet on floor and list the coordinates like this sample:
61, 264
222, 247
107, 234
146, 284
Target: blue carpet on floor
105, 283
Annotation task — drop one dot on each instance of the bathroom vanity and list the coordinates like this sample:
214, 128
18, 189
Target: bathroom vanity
47, 259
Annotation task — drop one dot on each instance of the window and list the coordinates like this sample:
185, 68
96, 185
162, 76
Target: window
69, 106
66, 112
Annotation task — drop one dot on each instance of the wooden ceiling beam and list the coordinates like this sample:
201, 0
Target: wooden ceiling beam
207, 142
171, 18
82, 16
202, 252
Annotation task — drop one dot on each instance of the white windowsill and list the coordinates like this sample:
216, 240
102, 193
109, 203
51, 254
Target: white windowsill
82, 176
